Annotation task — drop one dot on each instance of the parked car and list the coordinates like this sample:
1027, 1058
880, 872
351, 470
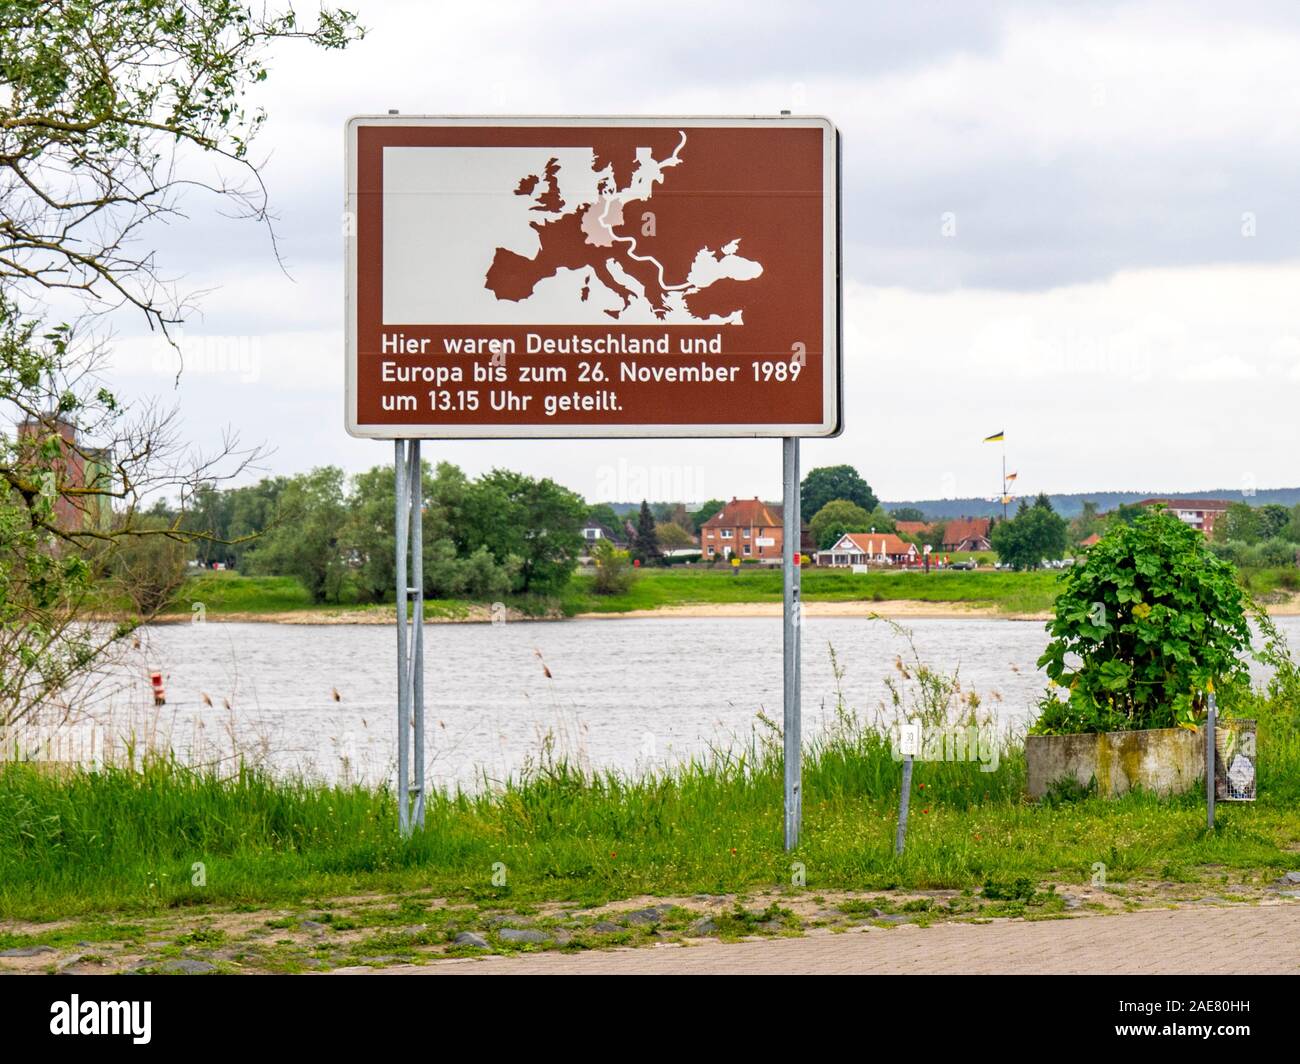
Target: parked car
966, 565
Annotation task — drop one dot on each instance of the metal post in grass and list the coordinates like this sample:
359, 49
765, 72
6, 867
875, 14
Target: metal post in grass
408, 478
1211, 721
909, 745
903, 797
791, 535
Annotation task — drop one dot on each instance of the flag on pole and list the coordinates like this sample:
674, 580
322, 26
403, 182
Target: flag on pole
1012, 476
995, 437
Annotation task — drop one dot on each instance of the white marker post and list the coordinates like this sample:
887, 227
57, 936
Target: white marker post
909, 745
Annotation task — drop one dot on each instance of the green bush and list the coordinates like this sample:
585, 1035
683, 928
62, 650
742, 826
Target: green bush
1142, 627
614, 572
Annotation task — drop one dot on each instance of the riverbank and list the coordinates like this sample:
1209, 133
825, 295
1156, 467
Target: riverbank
482, 613
157, 867
228, 596
77, 844
896, 609
167, 872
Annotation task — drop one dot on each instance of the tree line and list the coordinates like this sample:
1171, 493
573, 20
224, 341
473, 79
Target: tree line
503, 533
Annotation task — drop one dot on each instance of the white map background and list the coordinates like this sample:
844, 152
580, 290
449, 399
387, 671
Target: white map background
448, 209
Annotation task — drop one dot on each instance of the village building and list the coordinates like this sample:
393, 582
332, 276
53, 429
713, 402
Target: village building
959, 533
1201, 514
83, 475
594, 531
869, 548
967, 533
748, 528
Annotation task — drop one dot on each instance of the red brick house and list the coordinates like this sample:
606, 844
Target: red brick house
77, 469
959, 533
747, 528
1199, 513
967, 533
869, 548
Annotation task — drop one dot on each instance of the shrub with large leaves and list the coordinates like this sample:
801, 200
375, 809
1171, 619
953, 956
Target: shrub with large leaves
1141, 628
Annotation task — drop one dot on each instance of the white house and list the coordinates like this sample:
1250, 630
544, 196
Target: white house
869, 548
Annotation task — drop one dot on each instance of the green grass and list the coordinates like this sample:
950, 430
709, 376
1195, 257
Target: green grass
228, 593
225, 593
1267, 584
126, 842
1007, 591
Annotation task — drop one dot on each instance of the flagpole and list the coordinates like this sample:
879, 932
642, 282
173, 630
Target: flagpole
1004, 477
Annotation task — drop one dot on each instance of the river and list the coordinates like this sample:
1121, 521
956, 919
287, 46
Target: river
628, 694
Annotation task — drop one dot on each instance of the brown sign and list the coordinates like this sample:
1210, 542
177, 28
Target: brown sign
592, 277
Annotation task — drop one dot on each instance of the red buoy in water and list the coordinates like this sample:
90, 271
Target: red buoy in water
159, 693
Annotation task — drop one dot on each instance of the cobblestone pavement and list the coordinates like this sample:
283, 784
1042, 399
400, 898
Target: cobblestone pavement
1244, 939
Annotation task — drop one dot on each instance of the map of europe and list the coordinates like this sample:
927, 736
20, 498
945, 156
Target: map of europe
600, 232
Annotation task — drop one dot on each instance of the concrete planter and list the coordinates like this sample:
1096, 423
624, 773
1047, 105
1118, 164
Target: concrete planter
1163, 760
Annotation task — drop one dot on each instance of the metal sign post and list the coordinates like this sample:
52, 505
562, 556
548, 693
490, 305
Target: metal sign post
408, 473
904, 796
790, 550
537, 277
1211, 722
909, 746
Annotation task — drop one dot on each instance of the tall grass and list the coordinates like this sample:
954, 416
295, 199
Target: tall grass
137, 838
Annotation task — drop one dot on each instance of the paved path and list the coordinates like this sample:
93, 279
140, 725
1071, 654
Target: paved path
1263, 939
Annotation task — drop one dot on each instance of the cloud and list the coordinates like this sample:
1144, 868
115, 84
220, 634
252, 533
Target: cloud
1116, 290
1228, 368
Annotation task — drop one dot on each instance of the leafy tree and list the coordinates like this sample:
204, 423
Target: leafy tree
710, 509
149, 570
822, 485
645, 547
1088, 523
1036, 532
614, 572
1240, 523
456, 564
834, 519
934, 537
907, 513
1276, 552
604, 514
1142, 626
108, 112
881, 520
1128, 512
1272, 520
536, 522
672, 536
368, 536
306, 543
229, 520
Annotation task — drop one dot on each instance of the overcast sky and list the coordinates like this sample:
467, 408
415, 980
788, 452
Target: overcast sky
1121, 294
